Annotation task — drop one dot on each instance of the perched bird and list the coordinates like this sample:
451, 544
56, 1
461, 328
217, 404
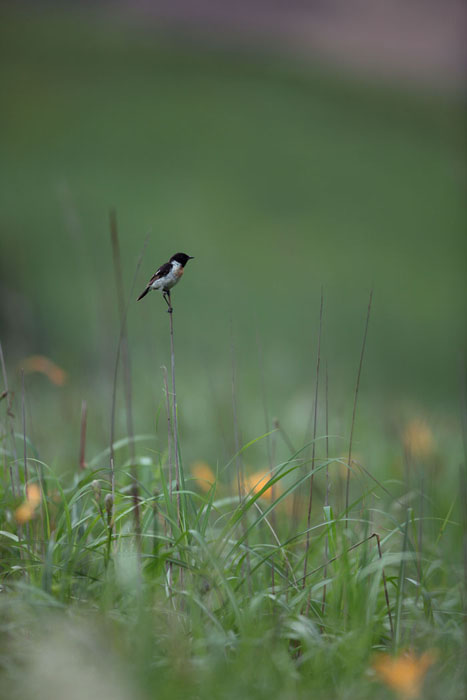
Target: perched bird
167, 277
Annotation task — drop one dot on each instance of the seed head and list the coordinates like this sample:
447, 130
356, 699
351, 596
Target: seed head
96, 487
109, 503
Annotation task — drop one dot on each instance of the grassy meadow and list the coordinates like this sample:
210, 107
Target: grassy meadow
276, 534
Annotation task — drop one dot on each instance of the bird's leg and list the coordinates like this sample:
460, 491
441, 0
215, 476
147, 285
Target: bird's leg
168, 302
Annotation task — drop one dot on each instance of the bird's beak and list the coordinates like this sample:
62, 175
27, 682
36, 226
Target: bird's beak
191, 257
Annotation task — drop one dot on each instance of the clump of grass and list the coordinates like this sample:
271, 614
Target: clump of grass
207, 593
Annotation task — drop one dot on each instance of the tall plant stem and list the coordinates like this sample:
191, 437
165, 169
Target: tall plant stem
354, 412
117, 359
313, 453
23, 413
169, 429
178, 466
174, 414
125, 350
420, 531
126, 372
25, 451
463, 496
270, 450
326, 496
463, 510
385, 585
169, 564
82, 438
13, 477
269, 438
238, 458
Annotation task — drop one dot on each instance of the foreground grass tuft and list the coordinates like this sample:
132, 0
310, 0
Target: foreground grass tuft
212, 602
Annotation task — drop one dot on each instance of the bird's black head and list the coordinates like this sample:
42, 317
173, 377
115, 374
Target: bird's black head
181, 258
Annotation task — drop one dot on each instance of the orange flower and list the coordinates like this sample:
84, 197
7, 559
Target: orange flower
39, 363
418, 439
405, 673
203, 475
26, 510
255, 482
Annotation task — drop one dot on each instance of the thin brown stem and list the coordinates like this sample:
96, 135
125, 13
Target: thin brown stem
463, 494
313, 453
238, 458
23, 413
117, 359
354, 412
463, 512
420, 531
326, 496
82, 440
11, 429
125, 350
268, 442
269, 438
178, 466
25, 453
112, 479
126, 373
386, 594
174, 413
169, 429
169, 565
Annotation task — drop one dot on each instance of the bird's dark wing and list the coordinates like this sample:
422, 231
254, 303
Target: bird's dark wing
161, 272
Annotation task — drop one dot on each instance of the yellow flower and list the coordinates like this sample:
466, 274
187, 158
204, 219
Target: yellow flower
418, 439
26, 510
405, 673
39, 363
203, 474
255, 482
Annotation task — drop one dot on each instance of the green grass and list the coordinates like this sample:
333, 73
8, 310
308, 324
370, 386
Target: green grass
212, 602
280, 177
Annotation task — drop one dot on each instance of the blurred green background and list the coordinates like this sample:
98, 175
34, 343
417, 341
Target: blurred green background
279, 175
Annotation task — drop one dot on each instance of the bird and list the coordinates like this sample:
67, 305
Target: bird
167, 277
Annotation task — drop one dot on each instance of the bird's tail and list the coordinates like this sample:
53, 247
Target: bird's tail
144, 293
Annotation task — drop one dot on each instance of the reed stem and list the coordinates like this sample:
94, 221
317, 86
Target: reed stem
354, 412
313, 453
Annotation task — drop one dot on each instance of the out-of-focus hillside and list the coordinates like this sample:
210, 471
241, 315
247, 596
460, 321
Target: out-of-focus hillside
421, 42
